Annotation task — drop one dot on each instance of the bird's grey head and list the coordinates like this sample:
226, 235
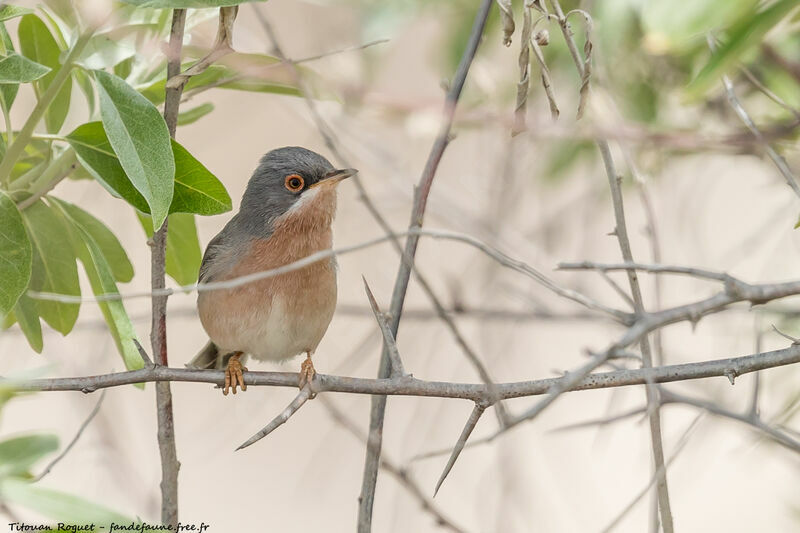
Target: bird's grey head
281, 180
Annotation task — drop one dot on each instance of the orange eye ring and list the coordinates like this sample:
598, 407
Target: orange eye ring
294, 182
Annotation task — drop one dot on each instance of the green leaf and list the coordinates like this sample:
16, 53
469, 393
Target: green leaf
58, 505
798, 224
190, 116
747, 32
9, 90
54, 268
19, 454
238, 71
140, 139
181, 4
15, 255
112, 250
105, 50
102, 281
9, 11
85, 83
37, 43
183, 247
196, 189
15, 68
679, 26
27, 314
96, 155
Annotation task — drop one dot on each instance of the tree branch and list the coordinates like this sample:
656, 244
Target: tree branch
423, 189
411, 386
158, 336
77, 436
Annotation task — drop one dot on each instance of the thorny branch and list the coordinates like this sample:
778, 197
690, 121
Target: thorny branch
401, 475
422, 191
621, 231
410, 386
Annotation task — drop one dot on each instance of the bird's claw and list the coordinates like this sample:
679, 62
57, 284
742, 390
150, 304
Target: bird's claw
234, 375
307, 373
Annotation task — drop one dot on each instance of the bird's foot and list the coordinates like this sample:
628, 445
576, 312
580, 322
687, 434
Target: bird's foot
233, 374
307, 373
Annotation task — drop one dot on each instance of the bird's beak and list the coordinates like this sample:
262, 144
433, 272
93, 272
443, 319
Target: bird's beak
335, 176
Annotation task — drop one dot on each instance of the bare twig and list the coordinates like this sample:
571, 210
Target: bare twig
794, 340
586, 69
621, 231
748, 417
655, 269
678, 448
158, 335
472, 421
404, 272
223, 45
767, 92
77, 436
777, 159
297, 403
490, 251
394, 355
400, 474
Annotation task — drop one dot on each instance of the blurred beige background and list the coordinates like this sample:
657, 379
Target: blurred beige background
717, 211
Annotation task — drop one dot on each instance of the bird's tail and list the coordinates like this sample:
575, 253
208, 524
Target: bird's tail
208, 357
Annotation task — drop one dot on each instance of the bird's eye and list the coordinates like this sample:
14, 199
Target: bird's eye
294, 182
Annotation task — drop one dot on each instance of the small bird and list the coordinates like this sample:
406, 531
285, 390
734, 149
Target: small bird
285, 215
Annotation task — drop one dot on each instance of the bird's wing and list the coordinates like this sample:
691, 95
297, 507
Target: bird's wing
210, 257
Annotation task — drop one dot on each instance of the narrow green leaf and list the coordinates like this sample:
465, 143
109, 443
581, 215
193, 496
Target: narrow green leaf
102, 281
57, 505
19, 454
15, 68
140, 139
124, 68
747, 32
27, 314
111, 248
85, 83
183, 247
37, 43
15, 255
246, 72
9, 12
8, 90
196, 189
190, 116
54, 268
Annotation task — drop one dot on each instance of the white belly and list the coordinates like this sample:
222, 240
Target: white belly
281, 335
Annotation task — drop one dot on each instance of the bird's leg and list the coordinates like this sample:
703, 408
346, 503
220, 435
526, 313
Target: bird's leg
233, 374
307, 371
